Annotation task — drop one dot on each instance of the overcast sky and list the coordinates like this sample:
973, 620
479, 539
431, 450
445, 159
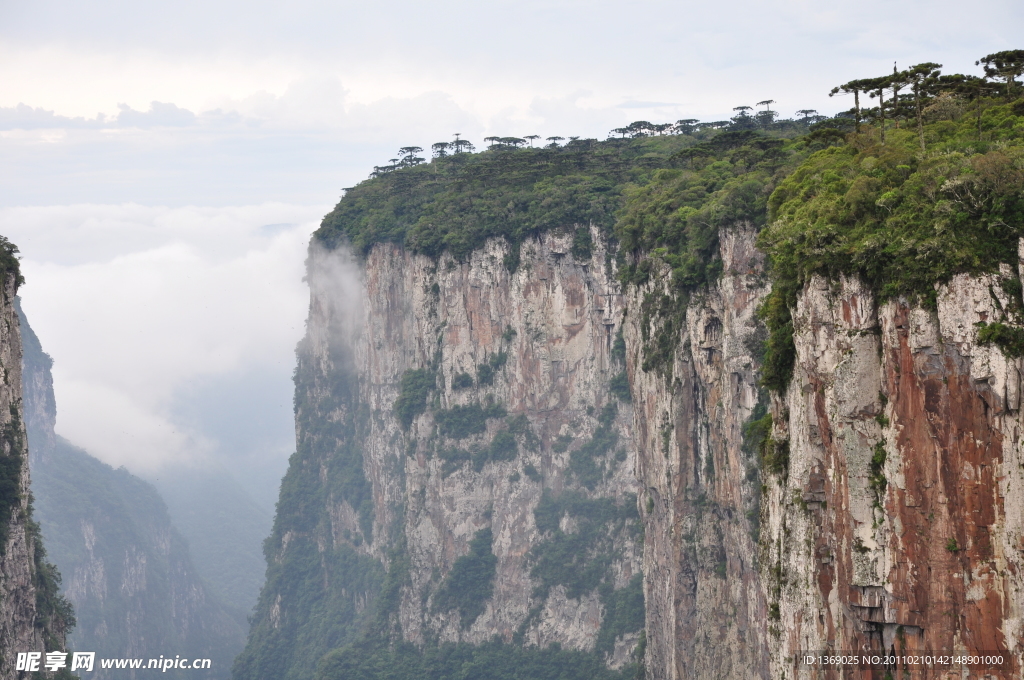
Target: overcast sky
117, 117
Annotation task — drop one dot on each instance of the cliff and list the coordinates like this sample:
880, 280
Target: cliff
803, 355
458, 429
126, 569
706, 608
33, 617
897, 524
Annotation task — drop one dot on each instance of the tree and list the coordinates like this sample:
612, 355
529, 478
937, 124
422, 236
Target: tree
743, 120
1008, 65
619, 131
461, 145
409, 157
806, 114
972, 88
854, 87
918, 76
766, 117
877, 87
639, 128
685, 126
554, 142
440, 149
531, 138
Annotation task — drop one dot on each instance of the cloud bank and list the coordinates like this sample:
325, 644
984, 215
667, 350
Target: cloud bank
156, 316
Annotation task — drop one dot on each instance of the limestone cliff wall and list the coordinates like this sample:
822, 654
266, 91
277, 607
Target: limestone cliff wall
23, 570
894, 523
882, 511
706, 611
899, 523
549, 330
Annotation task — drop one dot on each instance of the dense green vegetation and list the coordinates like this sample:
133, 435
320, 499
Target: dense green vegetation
619, 386
925, 192
456, 202
1009, 338
459, 422
12, 459
504, 445
9, 263
326, 595
414, 389
470, 583
623, 612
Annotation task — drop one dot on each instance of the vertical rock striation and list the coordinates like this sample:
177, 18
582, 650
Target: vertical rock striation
457, 426
882, 511
899, 523
706, 612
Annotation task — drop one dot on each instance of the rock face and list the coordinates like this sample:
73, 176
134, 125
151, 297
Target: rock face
514, 438
891, 517
899, 524
125, 568
706, 610
876, 505
32, 617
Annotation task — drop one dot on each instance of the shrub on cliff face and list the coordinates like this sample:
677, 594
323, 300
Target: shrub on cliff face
416, 386
470, 583
460, 422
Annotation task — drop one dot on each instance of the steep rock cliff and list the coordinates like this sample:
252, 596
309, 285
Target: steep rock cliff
706, 610
126, 569
898, 523
457, 427
881, 510
33, 617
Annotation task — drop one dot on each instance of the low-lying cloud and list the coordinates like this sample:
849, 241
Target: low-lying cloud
153, 315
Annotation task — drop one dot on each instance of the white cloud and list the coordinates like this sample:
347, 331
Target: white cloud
139, 305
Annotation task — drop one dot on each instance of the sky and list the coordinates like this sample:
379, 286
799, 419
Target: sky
163, 164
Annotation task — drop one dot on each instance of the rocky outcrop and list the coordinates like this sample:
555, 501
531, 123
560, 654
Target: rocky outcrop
484, 438
706, 611
125, 568
32, 616
881, 513
899, 523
